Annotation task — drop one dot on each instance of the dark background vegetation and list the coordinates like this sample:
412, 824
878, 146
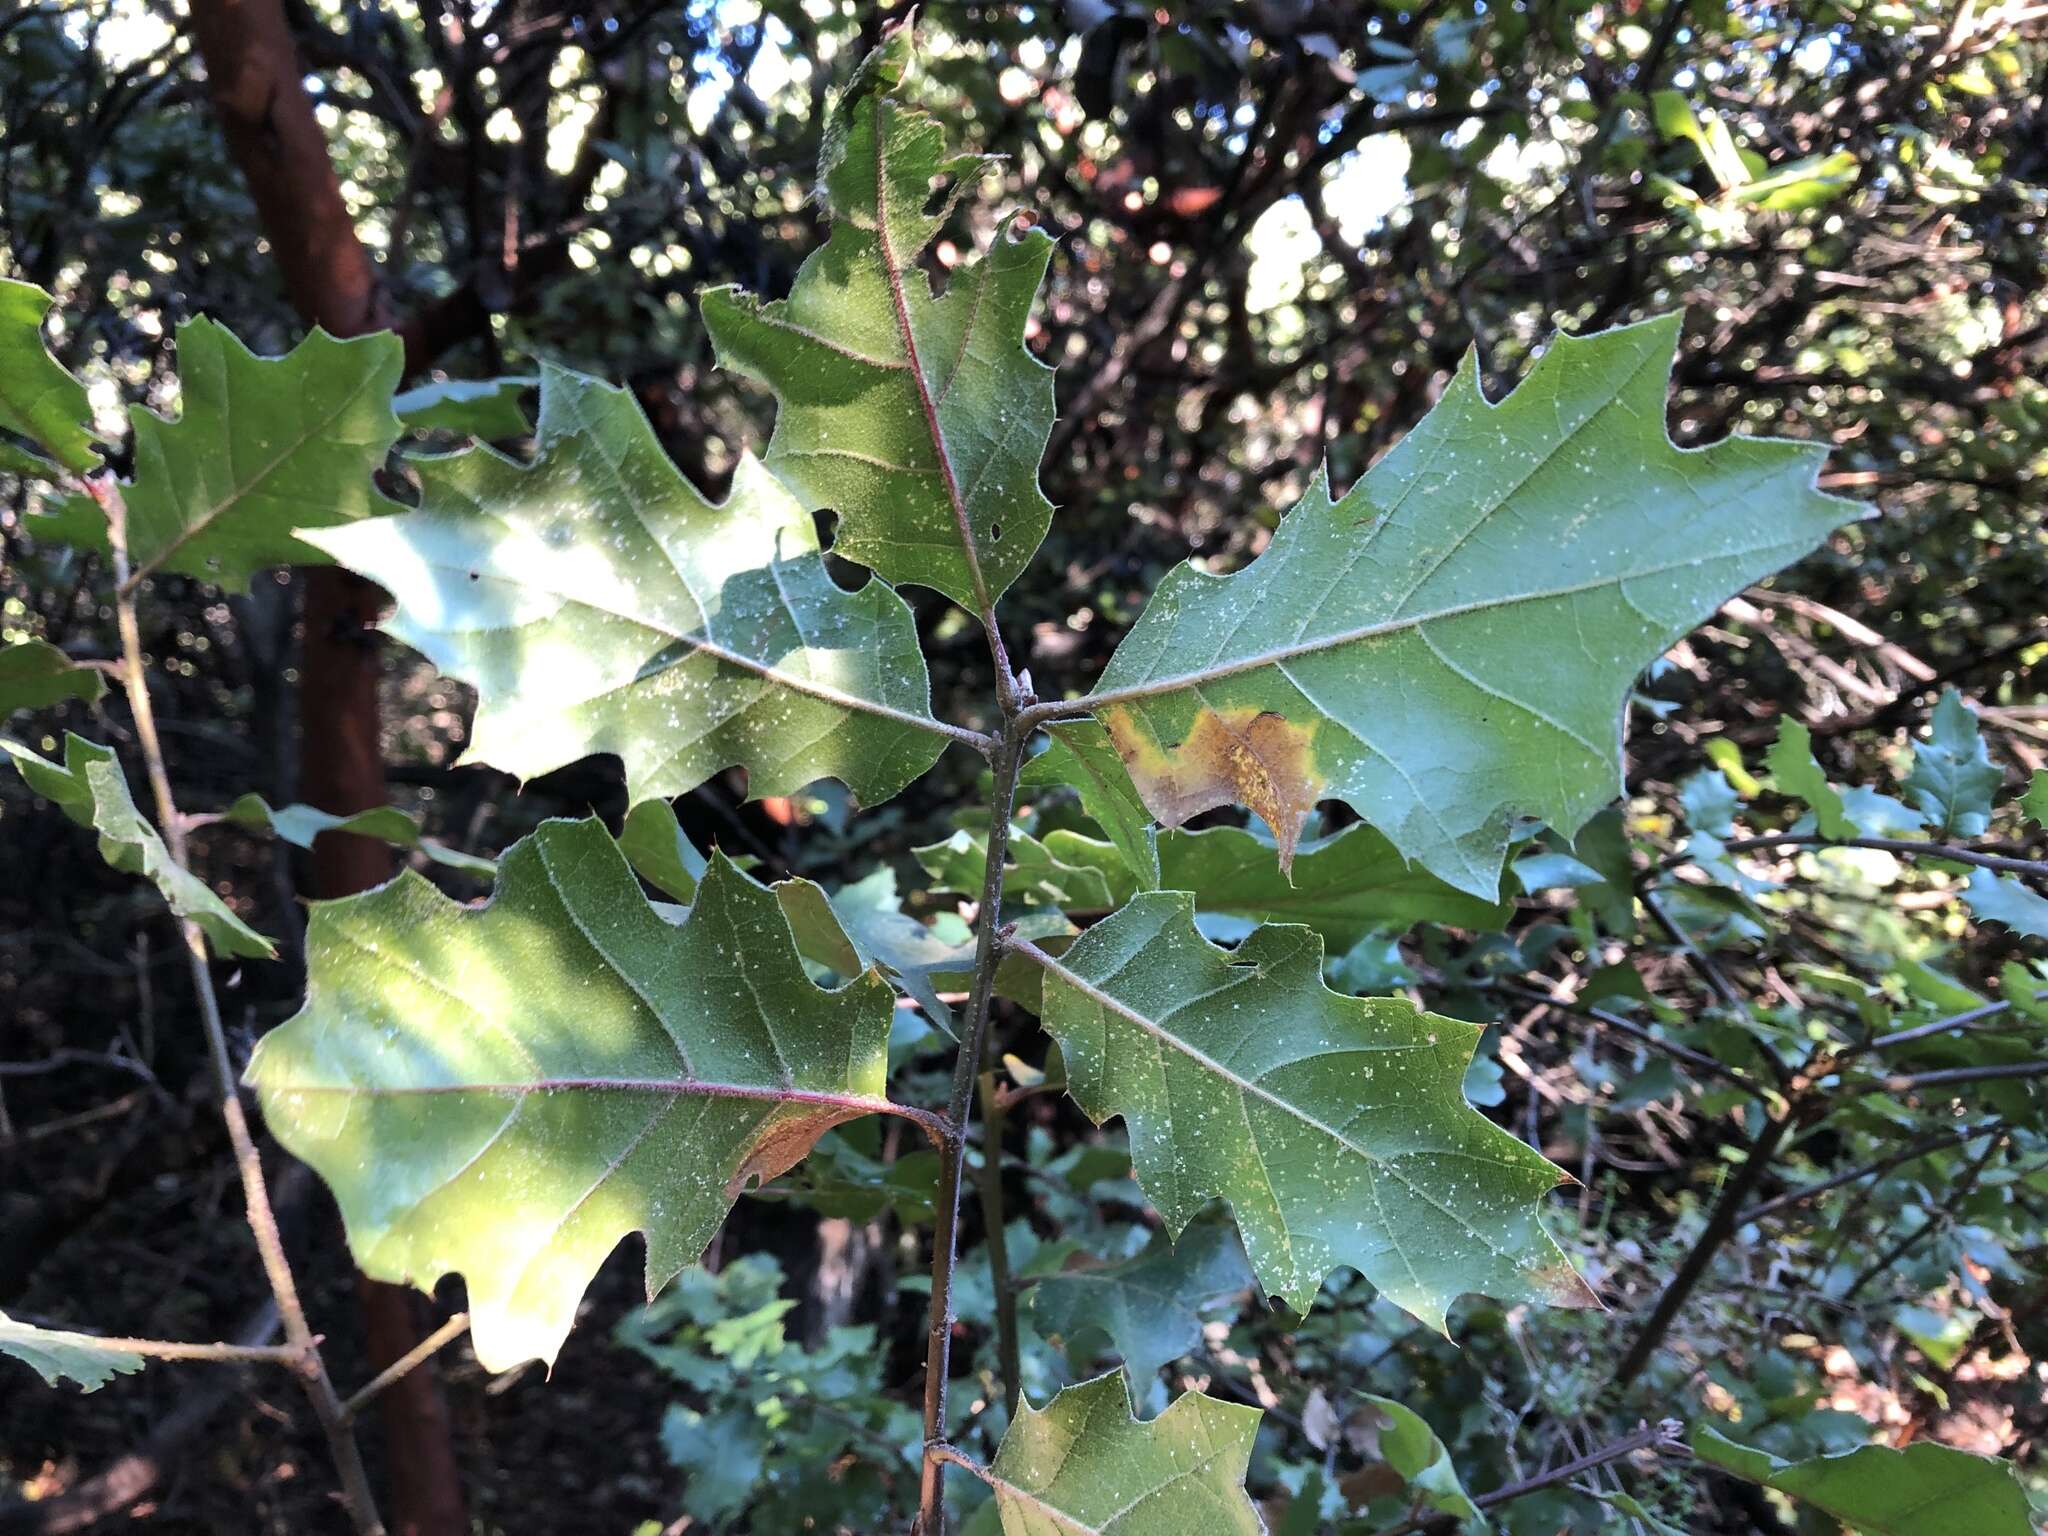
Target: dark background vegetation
1279, 225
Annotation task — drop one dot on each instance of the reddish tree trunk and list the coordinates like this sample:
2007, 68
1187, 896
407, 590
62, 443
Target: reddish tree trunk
254, 75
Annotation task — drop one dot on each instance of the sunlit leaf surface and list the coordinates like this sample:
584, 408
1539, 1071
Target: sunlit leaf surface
507, 1091
598, 603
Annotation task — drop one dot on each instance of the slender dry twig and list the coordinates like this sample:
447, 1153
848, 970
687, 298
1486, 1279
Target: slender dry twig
1721, 1223
1925, 1147
1663, 1437
1697, 1060
178, 1349
299, 1337
1905, 847
418, 1355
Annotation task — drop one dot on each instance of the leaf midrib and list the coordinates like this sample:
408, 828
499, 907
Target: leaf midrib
1284, 653
1246, 1085
766, 671
899, 300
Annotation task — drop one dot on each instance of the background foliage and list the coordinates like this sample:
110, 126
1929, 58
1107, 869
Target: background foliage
1276, 228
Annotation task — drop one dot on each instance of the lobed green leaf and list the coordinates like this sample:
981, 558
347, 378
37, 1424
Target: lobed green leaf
1450, 646
261, 449
509, 1090
919, 419
39, 400
1335, 1127
598, 603
1083, 1465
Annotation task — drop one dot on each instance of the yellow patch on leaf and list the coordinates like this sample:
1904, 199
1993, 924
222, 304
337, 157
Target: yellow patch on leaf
1238, 756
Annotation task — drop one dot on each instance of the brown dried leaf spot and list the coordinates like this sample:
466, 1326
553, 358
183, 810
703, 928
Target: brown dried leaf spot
783, 1142
1239, 756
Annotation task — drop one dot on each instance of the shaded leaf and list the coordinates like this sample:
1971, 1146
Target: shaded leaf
300, 824
654, 844
2035, 800
1953, 778
2004, 899
1411, 1448
1344, 886
261, 449
1794, 772
56, 1354
508, 1090
1064, 870
1450, 645
39, 400
1081, 756
482, 408
35, 674
919, 420
1083, 1465
1333, 1126
1928, 1489
913, 953
90, 788
1150, 1306
599, 604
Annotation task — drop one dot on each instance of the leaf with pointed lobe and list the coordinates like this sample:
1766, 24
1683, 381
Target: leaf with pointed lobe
1335, 1127
1150, 1306
39, 399
2006, 899
1953, 778
598, 603
1084, 1465
655, 844
35, 674
508, 1090
56, 1353
1449, 646
2034, 800
858, 927
89, 787
1795, 772
919, 419
262, 449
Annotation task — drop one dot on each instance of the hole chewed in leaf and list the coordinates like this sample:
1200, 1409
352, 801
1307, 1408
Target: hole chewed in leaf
1231, 756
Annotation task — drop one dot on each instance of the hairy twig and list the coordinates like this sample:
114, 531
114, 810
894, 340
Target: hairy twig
1008, 760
